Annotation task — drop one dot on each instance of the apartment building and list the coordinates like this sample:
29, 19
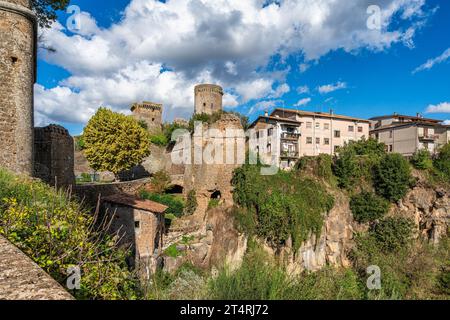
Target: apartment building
286, 135
406, 134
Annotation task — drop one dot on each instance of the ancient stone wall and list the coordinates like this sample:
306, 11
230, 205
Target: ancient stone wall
22, 279
208, 98
17, 76
54, 156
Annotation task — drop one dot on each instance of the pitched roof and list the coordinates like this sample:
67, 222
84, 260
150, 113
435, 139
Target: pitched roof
278, 119
319, 114
136, 203
413, 118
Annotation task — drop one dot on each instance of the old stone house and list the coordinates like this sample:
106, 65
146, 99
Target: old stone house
140, 227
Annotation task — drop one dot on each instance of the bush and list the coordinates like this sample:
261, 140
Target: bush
191, 203
367, 207
282, 205
79, 143
392, 177
393, 233
321, 166
57, 233
213, 203
347, 170
442, 162
160, 181
159, 140
114, 142
175, 203
422, 160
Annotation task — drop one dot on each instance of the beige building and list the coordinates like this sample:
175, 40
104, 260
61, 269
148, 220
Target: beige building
286, 135
408, 134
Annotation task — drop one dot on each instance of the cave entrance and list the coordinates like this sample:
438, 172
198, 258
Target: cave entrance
175, 189
216, 195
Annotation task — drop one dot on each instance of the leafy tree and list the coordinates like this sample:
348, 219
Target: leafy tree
392, 177
367, 207
191, 203
114, 142
421, 160
46, 10
442, 162
393, 233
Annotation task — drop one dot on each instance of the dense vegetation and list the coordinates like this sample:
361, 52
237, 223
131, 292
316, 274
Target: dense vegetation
367, 207
57, 234
114, 142
174, 202
281, 206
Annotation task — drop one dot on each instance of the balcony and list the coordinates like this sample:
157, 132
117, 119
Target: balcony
428, 137
290, 136
289, 154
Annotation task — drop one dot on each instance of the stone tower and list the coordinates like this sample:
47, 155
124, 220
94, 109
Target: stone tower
18, 31
208, 98
150, 113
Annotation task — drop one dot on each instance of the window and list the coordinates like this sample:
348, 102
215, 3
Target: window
337, 133
326, 141
326, 126
360, 129
317, 125
317, 140
390, 134
351, 128
137, 224
390, 148
308, 125
257, 134
269, 132
308, 140
269, 148
204, 104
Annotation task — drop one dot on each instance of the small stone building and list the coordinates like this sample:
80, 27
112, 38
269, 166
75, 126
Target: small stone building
54, 156
139, 225
150, 113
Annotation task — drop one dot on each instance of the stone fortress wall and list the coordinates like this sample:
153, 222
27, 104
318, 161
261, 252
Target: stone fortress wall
54, 156
17, 77
208, 98
150, 113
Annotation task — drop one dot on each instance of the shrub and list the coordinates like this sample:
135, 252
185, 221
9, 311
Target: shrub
160, 181
79, 143
346, 169
442, 162
175, 203
213, 203
444, 280
392, 177
191, 203
282, 205
57, 233
367, 207
159, 139
321, 166
422, 160
393, 233
114, 142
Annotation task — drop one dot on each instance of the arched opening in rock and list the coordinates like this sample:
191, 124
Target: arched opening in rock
175, 189
216, 195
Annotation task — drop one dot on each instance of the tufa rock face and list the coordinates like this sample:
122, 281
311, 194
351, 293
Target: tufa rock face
17, 76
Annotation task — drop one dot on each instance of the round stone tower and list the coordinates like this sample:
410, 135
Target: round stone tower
208, 98
18, 31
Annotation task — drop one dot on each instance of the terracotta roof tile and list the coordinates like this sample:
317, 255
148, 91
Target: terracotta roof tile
136, 203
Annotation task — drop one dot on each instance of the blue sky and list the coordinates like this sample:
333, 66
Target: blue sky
145, 50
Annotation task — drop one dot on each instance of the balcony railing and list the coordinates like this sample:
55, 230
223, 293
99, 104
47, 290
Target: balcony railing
428, 137
289, 154
290, 135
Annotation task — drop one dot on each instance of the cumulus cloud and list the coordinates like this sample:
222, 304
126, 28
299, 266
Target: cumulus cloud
158, 50
331, 87
443, 107
303, 89
303, 102
446, 122
431, 62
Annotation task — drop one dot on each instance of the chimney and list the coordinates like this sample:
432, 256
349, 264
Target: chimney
331, 112
266, 113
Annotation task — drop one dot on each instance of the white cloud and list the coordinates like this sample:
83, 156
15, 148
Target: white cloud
446, 122
265, 105
443, 107
331, 87
159, 50
303, 89
303, 102
431, 62
303, 67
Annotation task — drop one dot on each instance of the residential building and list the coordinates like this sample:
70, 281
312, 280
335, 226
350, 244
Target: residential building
286, 135
406, 134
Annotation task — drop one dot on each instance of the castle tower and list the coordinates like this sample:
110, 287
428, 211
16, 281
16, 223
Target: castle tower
150, 113
208, 98
18, 30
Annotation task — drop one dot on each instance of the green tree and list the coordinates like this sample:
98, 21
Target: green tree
114, 142
46, 10
421, 160
392, 177
442, 162
367, 207
191, 203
